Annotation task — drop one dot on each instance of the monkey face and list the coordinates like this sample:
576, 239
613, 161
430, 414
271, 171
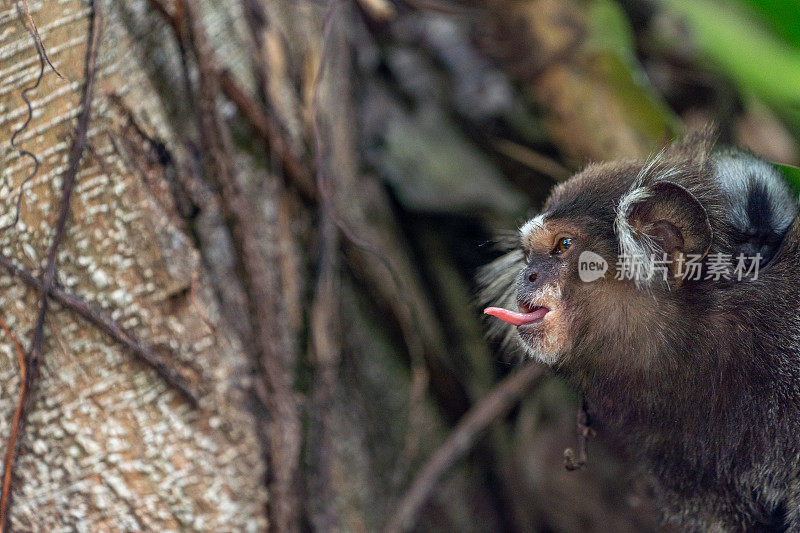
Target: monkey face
550, 250
606, 213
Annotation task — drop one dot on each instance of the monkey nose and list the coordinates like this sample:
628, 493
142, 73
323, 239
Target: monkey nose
529, 280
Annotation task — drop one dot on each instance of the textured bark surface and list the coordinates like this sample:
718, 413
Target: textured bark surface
109, 445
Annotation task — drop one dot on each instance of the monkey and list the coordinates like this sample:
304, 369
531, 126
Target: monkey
695, 376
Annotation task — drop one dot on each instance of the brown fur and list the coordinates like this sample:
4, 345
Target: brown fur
699, 379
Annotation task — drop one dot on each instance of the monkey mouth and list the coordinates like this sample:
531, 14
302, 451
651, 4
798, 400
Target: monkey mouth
525, 315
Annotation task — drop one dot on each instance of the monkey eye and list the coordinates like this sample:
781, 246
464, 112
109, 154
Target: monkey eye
562, 245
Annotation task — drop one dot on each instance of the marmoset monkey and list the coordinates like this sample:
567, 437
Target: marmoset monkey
690, 365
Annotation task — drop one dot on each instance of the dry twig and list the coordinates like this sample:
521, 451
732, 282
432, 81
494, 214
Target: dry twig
494, 405
532, 159
571, 462
15, 424
269, 132
32, 358
106, 325
28, 25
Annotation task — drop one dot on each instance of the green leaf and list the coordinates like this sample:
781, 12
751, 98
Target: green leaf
610, 29
783, 16
743, 48
792, 175
611, 45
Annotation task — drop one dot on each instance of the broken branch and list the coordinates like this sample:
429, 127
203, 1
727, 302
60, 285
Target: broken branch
31, 367
494, 405
571, 462
106, 325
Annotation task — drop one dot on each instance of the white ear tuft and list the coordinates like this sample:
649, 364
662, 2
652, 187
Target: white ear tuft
637, 249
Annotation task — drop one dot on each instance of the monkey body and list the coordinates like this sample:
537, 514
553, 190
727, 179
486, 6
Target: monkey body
699, 379
717, 420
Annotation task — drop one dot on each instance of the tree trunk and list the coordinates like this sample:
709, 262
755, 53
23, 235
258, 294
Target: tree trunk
108, 444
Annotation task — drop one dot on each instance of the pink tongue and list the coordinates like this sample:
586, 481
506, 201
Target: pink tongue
514, 318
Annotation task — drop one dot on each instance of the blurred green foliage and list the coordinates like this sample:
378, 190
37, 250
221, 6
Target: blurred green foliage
782, 16
612, 43
792, 175
755, 43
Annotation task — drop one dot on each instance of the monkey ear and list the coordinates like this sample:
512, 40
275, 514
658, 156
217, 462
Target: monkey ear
663, 218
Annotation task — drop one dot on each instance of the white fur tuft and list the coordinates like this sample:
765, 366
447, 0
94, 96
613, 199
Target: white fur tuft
544, 295
499, 288
545, 349
530, 227
638, 249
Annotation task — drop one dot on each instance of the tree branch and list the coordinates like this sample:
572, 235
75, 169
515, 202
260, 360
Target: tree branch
269, 132
32, 358
571, 461
494, 405
107, 326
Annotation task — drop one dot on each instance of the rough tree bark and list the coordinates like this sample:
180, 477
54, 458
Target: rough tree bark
109, 445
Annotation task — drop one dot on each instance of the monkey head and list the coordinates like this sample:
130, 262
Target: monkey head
604, 278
